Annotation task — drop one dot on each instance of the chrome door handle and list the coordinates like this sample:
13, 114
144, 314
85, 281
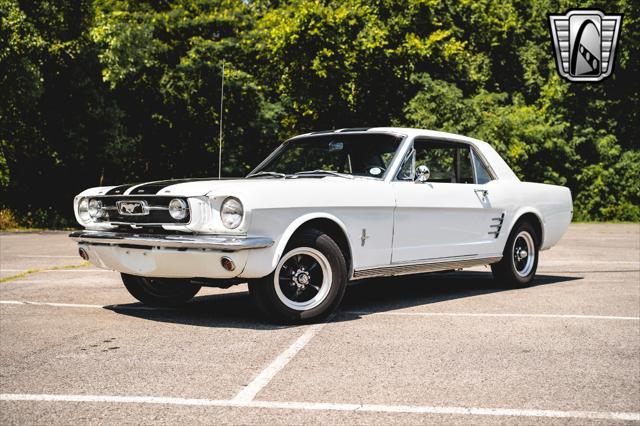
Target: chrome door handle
482, 192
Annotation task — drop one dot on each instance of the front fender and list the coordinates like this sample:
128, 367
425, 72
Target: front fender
296, 224
263, 261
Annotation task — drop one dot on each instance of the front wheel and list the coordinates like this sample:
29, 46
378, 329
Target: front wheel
166, 292
520, 257
308, 282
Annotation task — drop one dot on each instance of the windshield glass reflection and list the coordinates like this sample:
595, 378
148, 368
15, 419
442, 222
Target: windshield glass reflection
348, 154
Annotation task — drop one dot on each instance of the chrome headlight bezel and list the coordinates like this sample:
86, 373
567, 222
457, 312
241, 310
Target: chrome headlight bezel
83, 210
231, 213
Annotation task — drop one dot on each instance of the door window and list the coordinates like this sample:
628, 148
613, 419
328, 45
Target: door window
448, 162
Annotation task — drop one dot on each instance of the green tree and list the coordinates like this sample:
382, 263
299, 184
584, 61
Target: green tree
99, 92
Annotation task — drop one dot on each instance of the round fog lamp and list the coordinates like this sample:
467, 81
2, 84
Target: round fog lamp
178, 209
95, 208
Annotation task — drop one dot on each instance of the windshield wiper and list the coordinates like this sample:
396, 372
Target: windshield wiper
274, 174
323, 172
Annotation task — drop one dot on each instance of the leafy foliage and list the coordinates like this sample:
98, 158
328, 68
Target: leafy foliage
99, 92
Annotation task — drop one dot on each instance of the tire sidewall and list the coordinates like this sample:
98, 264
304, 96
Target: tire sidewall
508, 253
329, 249
137, 287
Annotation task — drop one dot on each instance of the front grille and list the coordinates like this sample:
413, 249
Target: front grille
158, 213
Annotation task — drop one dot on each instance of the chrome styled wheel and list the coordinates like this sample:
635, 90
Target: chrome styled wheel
519, 262
308, 281
524, 253
303, 278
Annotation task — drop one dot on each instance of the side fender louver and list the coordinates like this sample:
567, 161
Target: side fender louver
496, 225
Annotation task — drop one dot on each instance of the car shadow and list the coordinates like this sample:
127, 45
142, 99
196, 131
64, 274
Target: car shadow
236, 310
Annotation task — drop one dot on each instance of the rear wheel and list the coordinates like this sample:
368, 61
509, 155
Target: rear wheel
167, 292
308, 282
520, 257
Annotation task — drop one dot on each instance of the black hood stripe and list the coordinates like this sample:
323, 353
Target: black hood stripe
155, 187
119, 190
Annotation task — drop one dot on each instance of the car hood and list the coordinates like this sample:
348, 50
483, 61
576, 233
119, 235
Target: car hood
265, 193
208, 186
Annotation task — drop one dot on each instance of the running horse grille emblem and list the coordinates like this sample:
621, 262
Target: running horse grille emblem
132, 208
585, 44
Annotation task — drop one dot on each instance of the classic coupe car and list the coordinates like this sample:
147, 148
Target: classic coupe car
324, 209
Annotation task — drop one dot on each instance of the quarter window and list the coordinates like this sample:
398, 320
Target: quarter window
482, 174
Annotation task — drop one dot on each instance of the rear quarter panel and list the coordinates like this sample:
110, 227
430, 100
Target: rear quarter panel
552, 204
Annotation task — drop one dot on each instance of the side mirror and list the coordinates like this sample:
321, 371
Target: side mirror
422, 173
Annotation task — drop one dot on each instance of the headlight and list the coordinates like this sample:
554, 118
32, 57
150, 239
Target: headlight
83, 210
94, 208
178, 209
231, 212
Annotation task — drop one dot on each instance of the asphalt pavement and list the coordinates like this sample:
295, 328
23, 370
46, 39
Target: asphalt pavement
454, 348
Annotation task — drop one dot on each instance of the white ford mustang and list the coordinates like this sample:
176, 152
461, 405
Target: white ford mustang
324, 209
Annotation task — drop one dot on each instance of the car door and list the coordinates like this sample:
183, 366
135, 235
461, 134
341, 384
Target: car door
451, 214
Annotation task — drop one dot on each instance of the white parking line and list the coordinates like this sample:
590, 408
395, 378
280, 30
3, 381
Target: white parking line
61, 305
367, 313
498, 315
45, 256
589, 262
57, 270
249, 392
26, 281
77, 305
321, 406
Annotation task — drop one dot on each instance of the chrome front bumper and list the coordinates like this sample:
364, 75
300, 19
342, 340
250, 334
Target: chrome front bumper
211, 242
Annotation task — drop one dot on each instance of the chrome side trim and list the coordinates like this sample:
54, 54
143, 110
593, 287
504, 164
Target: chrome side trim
416, 268
210, 242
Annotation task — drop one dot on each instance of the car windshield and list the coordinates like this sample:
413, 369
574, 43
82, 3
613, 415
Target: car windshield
336, 153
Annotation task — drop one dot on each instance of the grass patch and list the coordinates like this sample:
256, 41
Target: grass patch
33, 219
35, 271
605, 222
8, 220
26, 229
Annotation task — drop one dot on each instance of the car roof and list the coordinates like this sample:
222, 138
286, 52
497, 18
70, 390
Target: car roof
405, 131
495, 161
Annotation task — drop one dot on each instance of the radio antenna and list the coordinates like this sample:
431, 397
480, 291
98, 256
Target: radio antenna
221, 111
